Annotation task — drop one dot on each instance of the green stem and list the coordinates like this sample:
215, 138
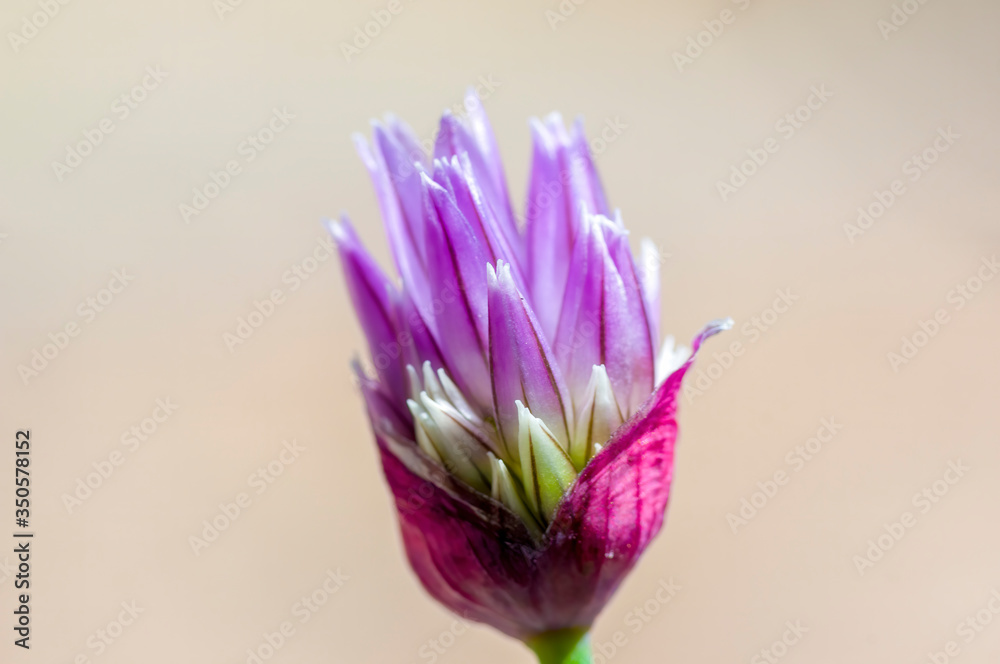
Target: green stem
563, 646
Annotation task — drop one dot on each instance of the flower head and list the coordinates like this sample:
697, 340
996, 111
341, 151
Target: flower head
525, 422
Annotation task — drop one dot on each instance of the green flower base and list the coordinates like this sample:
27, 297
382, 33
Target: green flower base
564, 646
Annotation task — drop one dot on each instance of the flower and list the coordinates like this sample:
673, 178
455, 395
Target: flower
525, 424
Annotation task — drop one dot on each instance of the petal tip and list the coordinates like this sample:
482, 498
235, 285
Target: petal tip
340, 230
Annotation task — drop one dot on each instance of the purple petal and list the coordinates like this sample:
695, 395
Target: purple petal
482, 133
458, 178
603, 318
563, 184
458, 251
581, 338
383, 408
403, 164
637, 325
455, 139
420, 345
375, 301
522, 365
405, 230
549, 227
594, 189
456, 266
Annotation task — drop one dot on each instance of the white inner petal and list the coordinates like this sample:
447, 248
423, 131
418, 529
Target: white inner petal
598, 417
670, 359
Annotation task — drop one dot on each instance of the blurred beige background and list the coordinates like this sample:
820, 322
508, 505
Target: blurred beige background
220, 76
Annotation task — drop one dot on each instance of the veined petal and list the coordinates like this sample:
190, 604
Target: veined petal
418, 341
551, 215
465, 251
455, 139
577, 167
390, 169
522, 365
546, 469
581, 337
455, 265
458, 177
403, 167
375, 301
596, 201
400, 237
482, 133
563, 185
597, 418
639, 355
603, 319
